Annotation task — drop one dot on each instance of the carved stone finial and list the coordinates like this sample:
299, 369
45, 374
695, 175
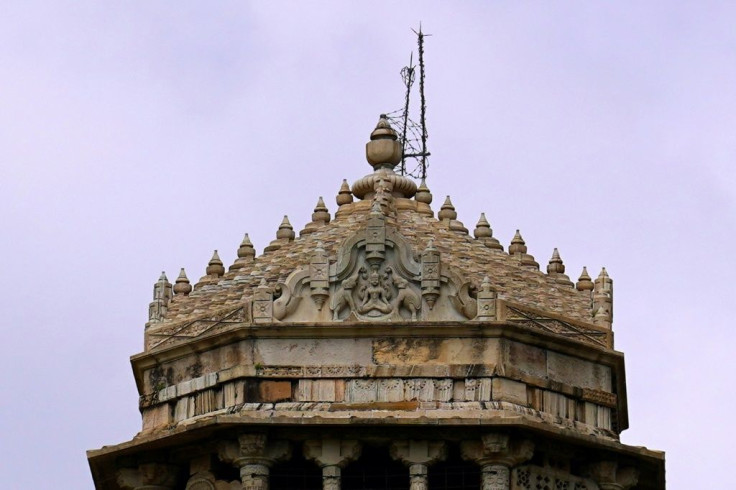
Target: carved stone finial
182, 286
518, 250
518, 245
423, 194
484, 233
344, 196
383, 153
320, 217
215, 267
556, 269
285, 231
384, 149
448, 215
246, 253
284, 234
584, 281
447, 211
162, 293
321, 213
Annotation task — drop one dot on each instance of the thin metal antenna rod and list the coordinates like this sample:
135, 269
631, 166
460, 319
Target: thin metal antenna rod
408, 75
423, 102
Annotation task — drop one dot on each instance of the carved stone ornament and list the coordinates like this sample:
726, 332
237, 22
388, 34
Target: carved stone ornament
375, 276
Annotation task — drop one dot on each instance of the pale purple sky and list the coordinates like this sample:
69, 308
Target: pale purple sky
137, 137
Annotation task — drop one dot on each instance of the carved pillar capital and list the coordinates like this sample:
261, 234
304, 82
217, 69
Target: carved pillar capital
496, 453
610, 476
332, 452
499, 449
148, 476
332, 455
254, 454
418, 455
418, 452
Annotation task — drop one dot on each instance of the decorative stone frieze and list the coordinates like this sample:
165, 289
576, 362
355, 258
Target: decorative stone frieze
331, 455
418, 456
497, 453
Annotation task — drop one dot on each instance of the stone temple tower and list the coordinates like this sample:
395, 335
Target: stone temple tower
384, 348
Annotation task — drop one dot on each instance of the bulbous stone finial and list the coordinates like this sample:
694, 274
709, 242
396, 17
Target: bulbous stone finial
447, 211
518, 249
423, 194
556, 269
182, 286
285, 231
246, 253
215, 267
484, 233
383, 150
344, 196
584, 282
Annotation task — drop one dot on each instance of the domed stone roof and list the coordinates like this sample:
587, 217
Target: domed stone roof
376, 267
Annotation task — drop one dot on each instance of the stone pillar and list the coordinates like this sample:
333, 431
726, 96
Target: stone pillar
418, 455
609, 476
332, 455
148, 476
496, 454
254, 455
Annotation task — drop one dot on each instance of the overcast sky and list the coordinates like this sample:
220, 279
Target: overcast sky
137, 137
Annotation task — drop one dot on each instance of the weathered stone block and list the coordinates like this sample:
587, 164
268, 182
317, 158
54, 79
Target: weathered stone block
233, 393
526, 358
578, 372
156, 417
184, 409
555, 403
507, 390
293, 352
274, 391
317, 390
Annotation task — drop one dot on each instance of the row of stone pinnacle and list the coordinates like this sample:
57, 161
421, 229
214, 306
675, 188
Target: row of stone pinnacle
321, 216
